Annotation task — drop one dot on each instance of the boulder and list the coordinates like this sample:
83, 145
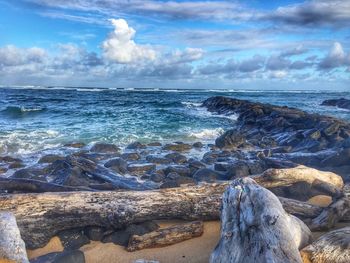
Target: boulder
75, 145
340, 103
94, 233
154, 144
50, 158
157, 177
131, 156
230, 139
197, 145
104, 148
140, 168
136, 145
176, 157
117, 164
73, 239
30, 173
178, 147
179, 169
207, 175
75, 256
157, 159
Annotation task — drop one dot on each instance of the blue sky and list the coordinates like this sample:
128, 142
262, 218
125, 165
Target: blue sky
176, 44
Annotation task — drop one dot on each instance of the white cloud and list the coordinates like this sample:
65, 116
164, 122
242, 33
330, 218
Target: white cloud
13, 56
335, 58
278, 74
120, 46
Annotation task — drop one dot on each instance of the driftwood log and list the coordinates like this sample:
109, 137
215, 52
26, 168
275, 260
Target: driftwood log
41, 216
255, 228
166, 236
331, 215
325, 182
12, 247
332, 247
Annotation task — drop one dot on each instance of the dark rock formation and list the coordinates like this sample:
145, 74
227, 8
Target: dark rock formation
283, 133
340, 103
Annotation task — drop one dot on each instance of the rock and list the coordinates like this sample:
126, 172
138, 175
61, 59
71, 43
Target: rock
3, 170
16, 165
30, 173
179, 179
157, 159
178, 147
176, 158
75, 256
169, 184
140, 168
230, 139
136, 145
50, 158
65, 173
117, 164
132, 156
338, 159
340, 103
179, 169
207, 175
104, 148
9, 159
94, 233
75, 145
197, 145
122, 237
194, 165
73, 239
222, 166
237, 169
154, 144
156, 177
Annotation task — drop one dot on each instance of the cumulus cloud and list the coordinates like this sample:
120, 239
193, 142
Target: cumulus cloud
12, 56
120, 46
335, 58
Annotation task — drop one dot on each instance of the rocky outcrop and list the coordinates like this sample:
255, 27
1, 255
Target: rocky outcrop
301, 137
340, 103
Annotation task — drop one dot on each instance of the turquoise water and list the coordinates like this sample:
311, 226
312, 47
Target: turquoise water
34, 119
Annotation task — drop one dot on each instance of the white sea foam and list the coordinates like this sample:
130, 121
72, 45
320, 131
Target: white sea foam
207, 133
191, 104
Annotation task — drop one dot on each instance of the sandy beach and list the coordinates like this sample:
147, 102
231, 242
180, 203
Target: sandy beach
196, 250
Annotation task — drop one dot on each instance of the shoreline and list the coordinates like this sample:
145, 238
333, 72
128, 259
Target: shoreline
263, 137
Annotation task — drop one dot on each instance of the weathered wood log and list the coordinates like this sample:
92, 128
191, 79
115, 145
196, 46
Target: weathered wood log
326, 182
34, 186
41, 216
299, 208
166, 236
12, 247
331, 215
255, 228
332, 247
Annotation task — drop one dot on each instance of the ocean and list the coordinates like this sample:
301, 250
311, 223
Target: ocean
43, 119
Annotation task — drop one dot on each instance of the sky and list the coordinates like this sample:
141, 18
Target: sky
300, 45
